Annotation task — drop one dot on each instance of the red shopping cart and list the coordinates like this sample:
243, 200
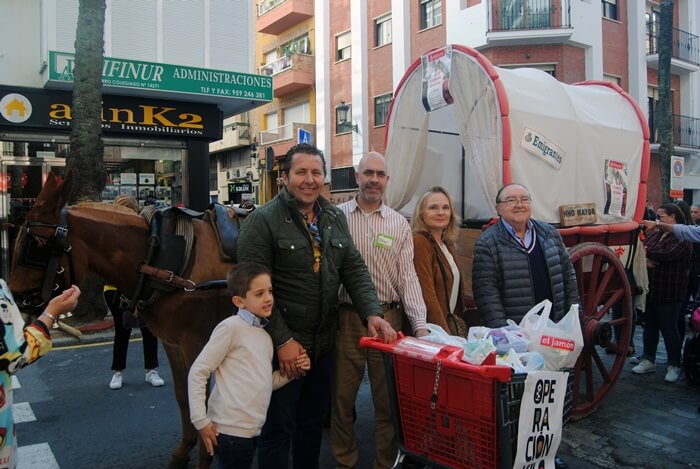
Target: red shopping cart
449, 413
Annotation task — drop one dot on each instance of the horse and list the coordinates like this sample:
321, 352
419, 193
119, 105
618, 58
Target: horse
113, 243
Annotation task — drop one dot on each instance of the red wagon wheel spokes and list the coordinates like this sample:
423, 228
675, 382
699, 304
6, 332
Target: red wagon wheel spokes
604, 292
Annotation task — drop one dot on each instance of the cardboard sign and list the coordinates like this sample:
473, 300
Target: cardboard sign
578, 214
540, 423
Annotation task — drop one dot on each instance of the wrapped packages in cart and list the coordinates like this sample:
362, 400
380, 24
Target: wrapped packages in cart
449, 413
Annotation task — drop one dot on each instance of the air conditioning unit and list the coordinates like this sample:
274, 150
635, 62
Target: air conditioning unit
230, 174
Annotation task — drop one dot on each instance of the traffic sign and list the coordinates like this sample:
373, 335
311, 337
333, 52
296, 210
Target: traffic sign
303, 136
677, 170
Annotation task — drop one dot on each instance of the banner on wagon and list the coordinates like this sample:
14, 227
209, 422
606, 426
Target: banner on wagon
540, 424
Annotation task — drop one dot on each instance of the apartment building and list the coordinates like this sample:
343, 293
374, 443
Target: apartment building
284, 49
363, 49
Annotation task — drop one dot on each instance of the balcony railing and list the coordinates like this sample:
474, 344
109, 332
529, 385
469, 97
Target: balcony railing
267, 5
686, 131
279, 65
234, 136
285, 132
686, 46
515, 15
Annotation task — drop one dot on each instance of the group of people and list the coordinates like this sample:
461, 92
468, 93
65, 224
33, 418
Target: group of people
340, 273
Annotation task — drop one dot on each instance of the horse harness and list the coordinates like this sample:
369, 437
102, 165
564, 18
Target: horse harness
169, 247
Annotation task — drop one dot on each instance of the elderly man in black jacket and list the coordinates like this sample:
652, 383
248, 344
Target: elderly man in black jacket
519, 262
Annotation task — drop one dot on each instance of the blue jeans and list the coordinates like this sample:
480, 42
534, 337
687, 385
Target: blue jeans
662, 317
296, 417
234, 452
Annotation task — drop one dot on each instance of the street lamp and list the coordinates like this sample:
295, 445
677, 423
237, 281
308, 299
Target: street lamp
343, 117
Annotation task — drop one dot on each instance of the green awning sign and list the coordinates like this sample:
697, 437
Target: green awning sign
136, 74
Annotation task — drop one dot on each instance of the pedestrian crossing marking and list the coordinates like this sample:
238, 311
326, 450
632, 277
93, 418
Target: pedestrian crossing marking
35, 456
22, 412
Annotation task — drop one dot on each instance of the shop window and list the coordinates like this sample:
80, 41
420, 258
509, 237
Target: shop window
382, 30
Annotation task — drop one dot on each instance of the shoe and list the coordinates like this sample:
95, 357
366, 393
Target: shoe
672, 374
116, 382
644, 367
636, 360
153, 378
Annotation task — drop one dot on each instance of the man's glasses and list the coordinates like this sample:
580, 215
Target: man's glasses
511, 201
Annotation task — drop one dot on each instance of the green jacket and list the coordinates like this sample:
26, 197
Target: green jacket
306, 302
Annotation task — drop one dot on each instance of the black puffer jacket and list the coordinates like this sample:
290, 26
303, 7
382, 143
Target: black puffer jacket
501, 275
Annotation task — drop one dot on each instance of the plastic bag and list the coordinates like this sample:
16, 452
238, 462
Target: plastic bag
504, 338
439, 336
521, 362
559, 343
476, 350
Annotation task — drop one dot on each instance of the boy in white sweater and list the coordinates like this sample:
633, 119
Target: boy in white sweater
239, 353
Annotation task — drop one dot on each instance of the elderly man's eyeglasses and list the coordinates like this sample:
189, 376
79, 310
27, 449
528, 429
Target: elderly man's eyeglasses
512, 201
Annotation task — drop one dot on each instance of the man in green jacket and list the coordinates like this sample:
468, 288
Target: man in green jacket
305, 241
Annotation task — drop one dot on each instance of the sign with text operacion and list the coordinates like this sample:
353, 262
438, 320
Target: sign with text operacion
137, 74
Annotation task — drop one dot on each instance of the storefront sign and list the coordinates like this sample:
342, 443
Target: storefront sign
39, 109
240, 188
135, 74
147, 178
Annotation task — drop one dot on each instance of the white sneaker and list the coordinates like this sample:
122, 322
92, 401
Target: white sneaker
636, 360
116, 382
672, 374
644, 367
153, 378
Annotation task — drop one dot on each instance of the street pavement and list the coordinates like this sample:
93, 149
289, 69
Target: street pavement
644, 422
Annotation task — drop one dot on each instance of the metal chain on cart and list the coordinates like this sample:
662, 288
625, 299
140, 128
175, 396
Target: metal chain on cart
434, 398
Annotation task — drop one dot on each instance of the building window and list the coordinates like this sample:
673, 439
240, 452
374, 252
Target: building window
343, 126
343, 179
612, 79
342, 46
609, 9
382, 31
430, 13
381, 108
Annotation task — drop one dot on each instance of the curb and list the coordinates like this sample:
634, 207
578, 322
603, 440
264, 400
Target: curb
95, 333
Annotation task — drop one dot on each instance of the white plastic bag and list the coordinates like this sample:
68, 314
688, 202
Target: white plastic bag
504, 338
559, 343
439, 336
477, 350
521, 362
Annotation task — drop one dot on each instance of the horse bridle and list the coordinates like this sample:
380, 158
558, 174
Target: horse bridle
57, 246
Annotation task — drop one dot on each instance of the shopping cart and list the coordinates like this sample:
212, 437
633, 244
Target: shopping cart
449, 413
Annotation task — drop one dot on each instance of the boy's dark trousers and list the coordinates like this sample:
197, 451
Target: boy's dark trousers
233, 452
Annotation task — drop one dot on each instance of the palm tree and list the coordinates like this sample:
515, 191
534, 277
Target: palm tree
664, 111
86, 156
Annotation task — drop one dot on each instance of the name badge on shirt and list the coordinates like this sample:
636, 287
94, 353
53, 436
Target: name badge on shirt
384, 241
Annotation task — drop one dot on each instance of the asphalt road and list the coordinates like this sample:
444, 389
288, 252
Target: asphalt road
71, 419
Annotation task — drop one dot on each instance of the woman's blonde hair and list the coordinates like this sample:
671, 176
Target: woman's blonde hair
418, 225
127, 201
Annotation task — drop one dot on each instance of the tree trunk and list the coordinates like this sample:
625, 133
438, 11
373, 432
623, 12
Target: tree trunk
664, 114
86, 155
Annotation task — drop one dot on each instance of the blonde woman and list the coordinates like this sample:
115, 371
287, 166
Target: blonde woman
434, 227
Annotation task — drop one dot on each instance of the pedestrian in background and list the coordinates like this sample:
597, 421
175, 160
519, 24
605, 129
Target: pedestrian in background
123, 323
435, 226
383, 237
20, 346
239, 353
668, 261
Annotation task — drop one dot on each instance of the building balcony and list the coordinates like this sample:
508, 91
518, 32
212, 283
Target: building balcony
685, 55
290, 73
686, 131
516, 22
281, 139
235, 135
276, 16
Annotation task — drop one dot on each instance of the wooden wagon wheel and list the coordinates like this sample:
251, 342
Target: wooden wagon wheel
602, 283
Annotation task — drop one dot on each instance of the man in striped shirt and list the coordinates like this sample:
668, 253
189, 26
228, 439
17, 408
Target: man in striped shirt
384, 239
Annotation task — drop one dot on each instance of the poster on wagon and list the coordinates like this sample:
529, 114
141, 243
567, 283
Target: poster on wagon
540, 421
437, 65
616, 182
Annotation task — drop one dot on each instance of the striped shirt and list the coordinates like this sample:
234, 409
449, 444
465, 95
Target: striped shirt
384, 239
